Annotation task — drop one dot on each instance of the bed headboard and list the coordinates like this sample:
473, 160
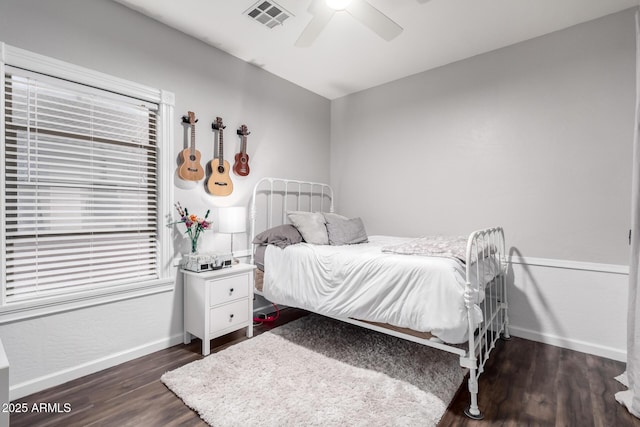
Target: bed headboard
273, 197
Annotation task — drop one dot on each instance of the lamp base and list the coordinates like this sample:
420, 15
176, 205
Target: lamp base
234, 260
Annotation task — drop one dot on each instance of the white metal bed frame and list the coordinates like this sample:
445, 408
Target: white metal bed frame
482, 339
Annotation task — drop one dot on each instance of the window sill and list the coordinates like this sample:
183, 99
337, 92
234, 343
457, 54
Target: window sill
27, 310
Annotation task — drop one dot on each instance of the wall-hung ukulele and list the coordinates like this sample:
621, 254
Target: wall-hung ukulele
191, 169
241, 166
219, 183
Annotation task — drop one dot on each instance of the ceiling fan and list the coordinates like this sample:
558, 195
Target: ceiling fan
362, 10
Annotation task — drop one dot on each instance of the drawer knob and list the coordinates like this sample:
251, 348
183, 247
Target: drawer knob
230, 317
231, 290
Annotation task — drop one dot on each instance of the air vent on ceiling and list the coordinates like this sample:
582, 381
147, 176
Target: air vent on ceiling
268, 13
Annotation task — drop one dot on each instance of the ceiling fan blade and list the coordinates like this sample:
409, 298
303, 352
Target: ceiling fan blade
321, 17
378, 22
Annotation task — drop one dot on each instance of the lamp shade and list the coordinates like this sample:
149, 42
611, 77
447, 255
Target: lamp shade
232, 219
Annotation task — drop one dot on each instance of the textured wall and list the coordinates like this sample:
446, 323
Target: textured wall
542, 131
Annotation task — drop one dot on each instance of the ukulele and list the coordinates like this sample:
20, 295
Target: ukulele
241, 166
190, 168
219, 183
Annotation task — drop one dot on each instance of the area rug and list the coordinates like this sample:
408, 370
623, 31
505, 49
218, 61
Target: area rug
317, 371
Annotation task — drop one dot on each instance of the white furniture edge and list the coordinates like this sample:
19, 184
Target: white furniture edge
4, 386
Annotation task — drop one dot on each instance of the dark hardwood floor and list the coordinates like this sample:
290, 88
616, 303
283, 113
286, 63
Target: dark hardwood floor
525, 384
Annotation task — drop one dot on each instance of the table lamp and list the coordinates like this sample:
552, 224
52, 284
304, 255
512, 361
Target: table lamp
232, 220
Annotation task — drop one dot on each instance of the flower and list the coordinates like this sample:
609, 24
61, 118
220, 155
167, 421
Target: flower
195, 225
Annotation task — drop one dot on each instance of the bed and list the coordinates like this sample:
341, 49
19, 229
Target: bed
443, 292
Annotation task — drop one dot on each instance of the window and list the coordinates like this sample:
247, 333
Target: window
83, 170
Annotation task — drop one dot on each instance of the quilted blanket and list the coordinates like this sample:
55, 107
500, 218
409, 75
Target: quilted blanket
440, 246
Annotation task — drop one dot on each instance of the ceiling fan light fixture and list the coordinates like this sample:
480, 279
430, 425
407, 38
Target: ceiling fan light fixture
338, 4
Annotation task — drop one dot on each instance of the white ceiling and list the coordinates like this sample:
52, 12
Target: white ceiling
348, 57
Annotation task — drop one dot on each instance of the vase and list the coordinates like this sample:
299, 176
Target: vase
194, 245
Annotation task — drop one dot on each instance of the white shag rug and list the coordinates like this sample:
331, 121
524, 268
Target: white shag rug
317, 371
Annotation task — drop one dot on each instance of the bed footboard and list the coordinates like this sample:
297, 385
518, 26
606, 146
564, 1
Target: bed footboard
487, 244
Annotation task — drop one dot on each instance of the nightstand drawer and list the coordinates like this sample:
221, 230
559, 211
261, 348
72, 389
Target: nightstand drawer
218, 302
228, 315
228, 289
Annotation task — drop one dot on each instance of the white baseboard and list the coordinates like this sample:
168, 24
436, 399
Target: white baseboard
575, 305
60, 377
570, 265
570, 344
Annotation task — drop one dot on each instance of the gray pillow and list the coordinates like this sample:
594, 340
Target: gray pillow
344, 231
311, 226
280, 236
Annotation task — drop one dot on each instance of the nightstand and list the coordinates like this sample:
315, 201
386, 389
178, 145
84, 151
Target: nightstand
218, 302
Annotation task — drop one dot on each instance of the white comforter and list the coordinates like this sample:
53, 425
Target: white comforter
360, 281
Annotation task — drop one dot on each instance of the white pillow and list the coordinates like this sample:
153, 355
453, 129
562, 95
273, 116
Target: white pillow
311, 225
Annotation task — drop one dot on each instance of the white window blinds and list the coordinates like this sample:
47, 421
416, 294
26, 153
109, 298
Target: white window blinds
81, 188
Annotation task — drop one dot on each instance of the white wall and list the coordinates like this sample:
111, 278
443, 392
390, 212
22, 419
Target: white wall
555, 114
579, 306
536, 137
289, 137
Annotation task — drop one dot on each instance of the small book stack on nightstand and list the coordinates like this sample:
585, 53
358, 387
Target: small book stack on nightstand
218, 302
